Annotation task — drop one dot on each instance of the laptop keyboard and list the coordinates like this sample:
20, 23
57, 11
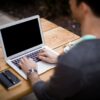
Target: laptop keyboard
33, 55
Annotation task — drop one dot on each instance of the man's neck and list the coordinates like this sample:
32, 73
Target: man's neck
91, 25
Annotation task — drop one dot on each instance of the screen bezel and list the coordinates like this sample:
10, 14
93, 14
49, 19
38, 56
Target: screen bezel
25, 51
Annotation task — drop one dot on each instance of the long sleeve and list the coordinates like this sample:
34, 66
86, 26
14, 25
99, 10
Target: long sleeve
77, 75
64, 83
40, 91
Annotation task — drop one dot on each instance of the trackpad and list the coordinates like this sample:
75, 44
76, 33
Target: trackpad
43, 67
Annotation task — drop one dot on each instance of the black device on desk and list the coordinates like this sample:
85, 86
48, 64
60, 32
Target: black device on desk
9, 80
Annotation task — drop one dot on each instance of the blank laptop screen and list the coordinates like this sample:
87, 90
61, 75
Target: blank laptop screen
21, 37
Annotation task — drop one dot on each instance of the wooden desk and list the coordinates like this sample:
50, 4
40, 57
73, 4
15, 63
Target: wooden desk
55, 37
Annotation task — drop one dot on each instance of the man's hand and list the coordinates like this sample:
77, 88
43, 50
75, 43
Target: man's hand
48, 56
27, 64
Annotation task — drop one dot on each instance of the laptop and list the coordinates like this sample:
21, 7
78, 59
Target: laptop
24, 38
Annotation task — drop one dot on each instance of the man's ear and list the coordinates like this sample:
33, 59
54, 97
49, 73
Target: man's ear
84, 9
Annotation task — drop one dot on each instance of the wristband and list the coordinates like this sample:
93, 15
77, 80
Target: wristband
31, 71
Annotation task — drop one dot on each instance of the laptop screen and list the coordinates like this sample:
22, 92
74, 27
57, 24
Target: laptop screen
21, 37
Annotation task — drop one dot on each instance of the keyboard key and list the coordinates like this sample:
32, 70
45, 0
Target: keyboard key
33, 55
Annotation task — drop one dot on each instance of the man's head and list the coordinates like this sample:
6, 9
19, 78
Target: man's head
85, 8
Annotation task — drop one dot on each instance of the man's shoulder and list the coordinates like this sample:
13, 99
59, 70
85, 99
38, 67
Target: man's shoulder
83, 52
88, 43
85, 47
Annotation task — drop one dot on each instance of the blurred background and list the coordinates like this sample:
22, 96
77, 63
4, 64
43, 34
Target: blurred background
57, 11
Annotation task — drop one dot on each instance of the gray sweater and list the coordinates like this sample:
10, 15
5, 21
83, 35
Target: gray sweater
77, 75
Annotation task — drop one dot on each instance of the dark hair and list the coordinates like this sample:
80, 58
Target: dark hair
93, 4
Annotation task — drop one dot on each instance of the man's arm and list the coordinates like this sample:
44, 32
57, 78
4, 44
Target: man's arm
65, 82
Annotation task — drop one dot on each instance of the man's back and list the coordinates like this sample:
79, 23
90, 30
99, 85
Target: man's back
77, 75
85, 58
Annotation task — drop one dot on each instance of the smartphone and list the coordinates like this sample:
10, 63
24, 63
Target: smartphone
9, 80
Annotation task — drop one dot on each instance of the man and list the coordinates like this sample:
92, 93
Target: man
77, 72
